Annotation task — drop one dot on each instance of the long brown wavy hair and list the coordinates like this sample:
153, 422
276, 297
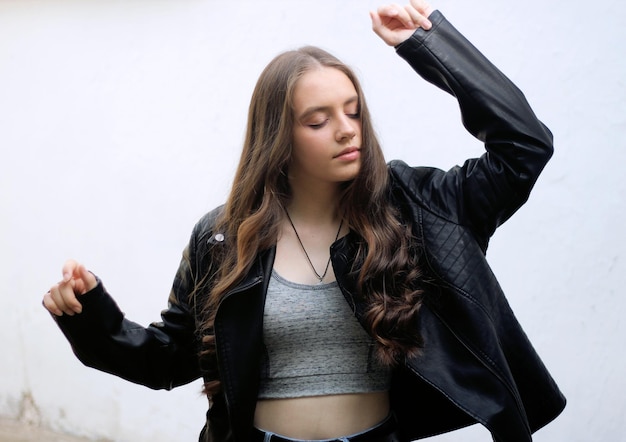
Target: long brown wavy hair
251, 219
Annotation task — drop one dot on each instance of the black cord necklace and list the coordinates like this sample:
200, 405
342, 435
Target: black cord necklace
323, 275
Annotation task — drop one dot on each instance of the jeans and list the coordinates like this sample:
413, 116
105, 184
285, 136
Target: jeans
382, 432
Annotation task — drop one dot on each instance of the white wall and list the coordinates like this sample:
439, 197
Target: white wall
121, 123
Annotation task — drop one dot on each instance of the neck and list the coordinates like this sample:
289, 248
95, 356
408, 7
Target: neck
319, 205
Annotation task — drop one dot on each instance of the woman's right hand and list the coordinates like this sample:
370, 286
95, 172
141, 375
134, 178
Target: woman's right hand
62, 297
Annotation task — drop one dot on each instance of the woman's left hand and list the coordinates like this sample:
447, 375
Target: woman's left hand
394, 23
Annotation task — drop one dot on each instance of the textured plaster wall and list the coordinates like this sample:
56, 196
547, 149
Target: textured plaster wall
121, 123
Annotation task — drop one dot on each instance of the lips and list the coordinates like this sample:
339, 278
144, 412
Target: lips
348, 153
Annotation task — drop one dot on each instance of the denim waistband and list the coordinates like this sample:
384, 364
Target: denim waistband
382, 432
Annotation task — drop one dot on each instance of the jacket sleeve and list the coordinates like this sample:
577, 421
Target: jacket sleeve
483, 192
160, 356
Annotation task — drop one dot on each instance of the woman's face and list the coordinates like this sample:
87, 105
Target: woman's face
327, 128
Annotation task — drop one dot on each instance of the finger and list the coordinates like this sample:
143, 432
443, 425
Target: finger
50, 305
64, 297
69, 267
398, 13
68, 291
56, 298
88, 279
423, 6
377, 25
418, 17
387, 24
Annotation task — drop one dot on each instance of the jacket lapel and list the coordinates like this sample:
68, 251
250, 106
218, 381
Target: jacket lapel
239, 343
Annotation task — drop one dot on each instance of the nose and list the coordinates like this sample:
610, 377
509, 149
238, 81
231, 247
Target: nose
347, 128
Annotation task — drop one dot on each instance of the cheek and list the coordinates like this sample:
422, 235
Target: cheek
307, 158
359, 128
309, 147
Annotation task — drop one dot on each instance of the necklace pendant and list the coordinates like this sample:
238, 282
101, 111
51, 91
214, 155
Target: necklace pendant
323, 275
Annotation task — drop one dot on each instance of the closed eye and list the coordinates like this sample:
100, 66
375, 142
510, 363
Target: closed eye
318, 125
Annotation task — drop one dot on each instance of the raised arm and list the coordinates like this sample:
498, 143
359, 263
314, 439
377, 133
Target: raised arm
485, 191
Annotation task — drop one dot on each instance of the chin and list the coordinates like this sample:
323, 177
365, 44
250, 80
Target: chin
347, 177
354, 171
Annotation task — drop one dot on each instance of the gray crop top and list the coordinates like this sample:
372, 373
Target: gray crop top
314, 344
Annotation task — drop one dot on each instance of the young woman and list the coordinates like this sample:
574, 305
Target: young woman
334, 296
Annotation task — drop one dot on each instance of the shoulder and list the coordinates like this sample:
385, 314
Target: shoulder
402, 172
199, 252
205, 227
429, 188
204, 234
414, 180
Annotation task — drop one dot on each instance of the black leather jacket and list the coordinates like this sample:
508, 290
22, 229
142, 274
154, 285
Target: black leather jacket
477, 365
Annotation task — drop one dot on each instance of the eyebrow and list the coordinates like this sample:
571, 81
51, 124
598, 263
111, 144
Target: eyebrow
311, 110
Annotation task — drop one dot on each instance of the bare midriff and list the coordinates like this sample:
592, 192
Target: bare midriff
322, 417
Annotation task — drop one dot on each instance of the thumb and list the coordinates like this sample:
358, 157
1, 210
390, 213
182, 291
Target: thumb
88, 278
